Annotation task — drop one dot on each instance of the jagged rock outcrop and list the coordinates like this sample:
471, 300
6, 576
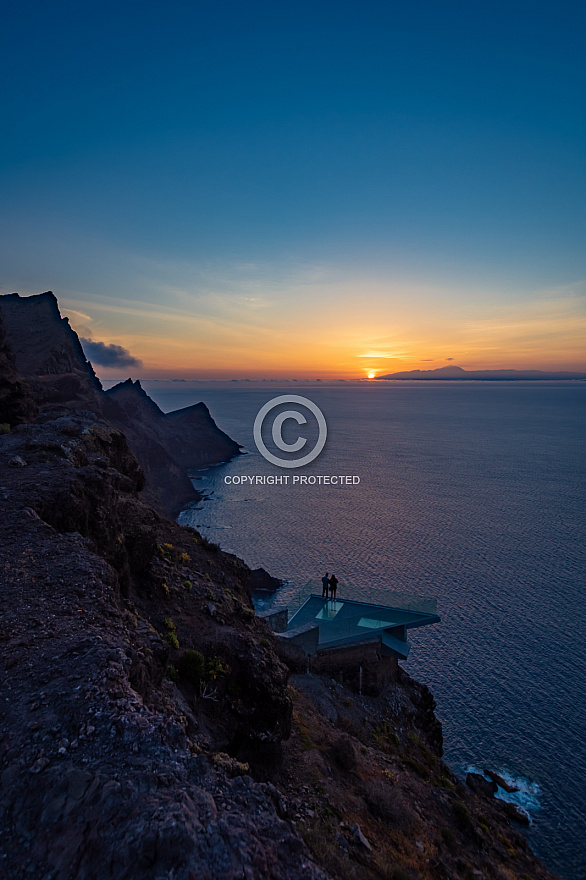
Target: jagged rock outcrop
48, 368
262, 581
47, 352
167, 443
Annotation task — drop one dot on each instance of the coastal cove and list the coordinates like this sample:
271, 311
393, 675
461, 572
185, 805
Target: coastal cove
470, 493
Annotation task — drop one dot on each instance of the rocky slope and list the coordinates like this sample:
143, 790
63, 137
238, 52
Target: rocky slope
148, 728
16, 401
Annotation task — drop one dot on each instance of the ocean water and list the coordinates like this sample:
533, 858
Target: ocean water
473, 493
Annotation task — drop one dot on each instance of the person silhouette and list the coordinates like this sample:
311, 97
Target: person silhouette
325, 584
333, 586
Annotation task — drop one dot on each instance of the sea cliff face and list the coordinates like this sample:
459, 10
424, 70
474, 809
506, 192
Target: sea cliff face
149, 728
167, 443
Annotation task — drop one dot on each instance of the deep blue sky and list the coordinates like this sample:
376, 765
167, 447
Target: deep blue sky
201, 156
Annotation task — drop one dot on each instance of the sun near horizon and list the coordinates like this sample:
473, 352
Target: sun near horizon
384, 330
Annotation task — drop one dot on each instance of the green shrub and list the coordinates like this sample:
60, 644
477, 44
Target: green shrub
388, 804
172, 640
168, 624
188, 585
384, 735
449, 837
172, 673
216, 667
344, 754
191, 666
417, 767
4, 428
443, 782
462, 815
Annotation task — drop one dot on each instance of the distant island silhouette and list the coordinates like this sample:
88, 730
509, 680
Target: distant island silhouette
453, 372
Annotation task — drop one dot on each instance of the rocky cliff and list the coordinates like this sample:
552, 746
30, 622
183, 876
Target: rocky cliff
167, 443
16, 401
46, 355
148, 727
47, 352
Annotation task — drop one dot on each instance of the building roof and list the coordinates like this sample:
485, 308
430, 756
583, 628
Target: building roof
346, 622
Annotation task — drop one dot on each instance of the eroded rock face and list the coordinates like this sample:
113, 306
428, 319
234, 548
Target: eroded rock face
16, 401
47, 352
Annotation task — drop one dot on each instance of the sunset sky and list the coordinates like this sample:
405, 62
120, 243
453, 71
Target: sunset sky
300, 189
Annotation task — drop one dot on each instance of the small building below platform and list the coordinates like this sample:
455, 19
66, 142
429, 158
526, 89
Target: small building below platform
357, 643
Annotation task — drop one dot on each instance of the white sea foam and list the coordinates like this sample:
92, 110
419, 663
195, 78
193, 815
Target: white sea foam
528, 795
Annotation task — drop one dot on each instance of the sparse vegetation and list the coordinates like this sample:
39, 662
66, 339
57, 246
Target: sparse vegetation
184, 558
399, 874
462, 815
172, 673
304, 734
443, 782
385, 737
164, 551
168, 624
191, 666
449, 838
188, 585
4, 428
390, 777
172, 640
344, 754
419, 768
216, 667
388, 804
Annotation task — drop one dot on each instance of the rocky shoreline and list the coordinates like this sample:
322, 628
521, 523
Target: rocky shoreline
148, 726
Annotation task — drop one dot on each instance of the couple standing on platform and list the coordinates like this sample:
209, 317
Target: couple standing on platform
329, 586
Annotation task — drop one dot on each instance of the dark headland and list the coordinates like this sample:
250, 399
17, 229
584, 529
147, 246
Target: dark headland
459, 373
148, 726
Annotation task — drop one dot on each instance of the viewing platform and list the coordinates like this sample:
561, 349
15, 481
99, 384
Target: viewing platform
348, 638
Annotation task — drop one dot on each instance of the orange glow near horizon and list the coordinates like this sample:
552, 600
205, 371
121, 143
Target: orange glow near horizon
331, 331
